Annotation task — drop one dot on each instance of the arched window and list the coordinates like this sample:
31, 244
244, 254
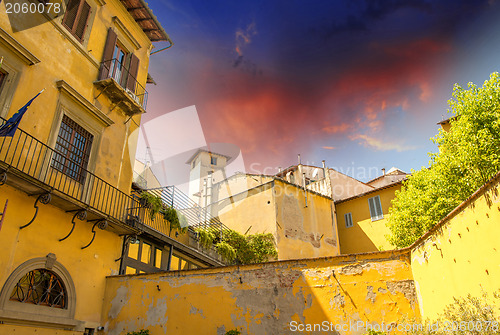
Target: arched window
40, 287
39, 290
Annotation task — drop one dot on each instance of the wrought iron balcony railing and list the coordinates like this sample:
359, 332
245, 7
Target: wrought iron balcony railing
197, 216
121, 75
29, 159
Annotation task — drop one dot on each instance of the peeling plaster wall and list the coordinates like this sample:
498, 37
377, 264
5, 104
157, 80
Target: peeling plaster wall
303, 229
264, 298
462, 256
306, 228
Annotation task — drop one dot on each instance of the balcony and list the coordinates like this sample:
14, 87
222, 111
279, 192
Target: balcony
31, 166
195, 215
121, 87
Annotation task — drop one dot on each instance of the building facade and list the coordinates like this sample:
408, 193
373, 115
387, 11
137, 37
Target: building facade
69, 218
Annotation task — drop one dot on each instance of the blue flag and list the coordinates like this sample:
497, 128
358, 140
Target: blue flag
10, 127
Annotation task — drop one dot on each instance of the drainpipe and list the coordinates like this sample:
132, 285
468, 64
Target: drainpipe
304, 183
205, 196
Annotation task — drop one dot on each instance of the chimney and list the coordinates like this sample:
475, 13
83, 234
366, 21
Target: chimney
299, 158
279, 169
383, 171
324, 164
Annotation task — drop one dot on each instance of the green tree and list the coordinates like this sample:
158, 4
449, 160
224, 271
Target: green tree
469, 155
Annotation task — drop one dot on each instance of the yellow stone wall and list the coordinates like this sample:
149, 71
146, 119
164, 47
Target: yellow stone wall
239, 212
461, 256
87, 267
269, 298
365, 235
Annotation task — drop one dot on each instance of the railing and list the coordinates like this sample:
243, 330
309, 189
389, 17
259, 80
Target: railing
26, 154
116, 70
197, 216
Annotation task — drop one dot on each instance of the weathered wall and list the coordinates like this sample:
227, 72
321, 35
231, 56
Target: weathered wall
301, 231
305, 228
344, 186
365, 235
239, 212
238, 183
264, 298
461, 255
87, 267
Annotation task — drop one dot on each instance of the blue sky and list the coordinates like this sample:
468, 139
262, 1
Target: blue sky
360, 84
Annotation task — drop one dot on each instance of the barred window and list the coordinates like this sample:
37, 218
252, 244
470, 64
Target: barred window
40, 287
72, 150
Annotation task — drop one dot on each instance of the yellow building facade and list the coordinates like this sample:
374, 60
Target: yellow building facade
301, 221
361, 220
68, 216
389, 291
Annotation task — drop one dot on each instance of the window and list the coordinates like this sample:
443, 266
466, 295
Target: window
143, 256
213, 160
40, 287
73, 146
40, 290
76, 17
375, 208
348, 220
180, 263
119, 64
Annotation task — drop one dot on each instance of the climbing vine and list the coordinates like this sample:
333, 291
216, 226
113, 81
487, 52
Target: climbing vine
239, 248
155, 205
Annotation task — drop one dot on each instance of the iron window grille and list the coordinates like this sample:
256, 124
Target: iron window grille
72, 150
40, 287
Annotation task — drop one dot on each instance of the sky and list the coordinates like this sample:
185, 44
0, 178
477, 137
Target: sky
359, 84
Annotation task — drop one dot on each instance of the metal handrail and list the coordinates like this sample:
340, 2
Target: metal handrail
28, 155
197, 216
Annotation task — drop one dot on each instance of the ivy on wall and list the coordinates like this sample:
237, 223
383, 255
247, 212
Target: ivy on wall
239, 248
155, 205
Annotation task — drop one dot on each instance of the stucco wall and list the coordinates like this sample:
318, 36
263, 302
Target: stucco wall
344, 186
264, 298
305, 227
251, 211
461, 256
87, 267
62, 57
365, 235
